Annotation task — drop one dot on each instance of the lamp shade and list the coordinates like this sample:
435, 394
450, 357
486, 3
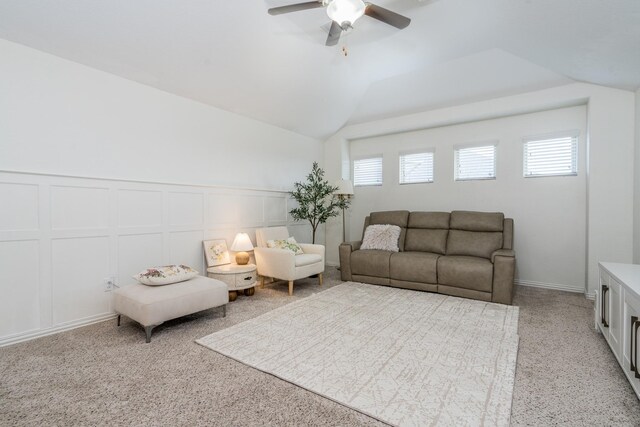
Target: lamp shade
345, 187
242, 243
345, 11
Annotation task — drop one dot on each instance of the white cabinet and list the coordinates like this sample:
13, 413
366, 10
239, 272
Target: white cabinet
618, 315
609, 310
631, 326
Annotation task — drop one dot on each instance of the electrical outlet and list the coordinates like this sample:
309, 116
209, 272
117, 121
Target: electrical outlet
109, 283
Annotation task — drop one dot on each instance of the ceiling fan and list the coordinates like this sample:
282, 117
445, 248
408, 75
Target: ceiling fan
344, 13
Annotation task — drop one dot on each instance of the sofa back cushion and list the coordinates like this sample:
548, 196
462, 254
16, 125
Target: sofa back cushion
427, 232
477, 221
429, 220
475, 233
426, 240
473, 243
399, 218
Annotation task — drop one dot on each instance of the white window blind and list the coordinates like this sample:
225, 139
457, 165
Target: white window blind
551, 156
477, 162
367, 171
416, 167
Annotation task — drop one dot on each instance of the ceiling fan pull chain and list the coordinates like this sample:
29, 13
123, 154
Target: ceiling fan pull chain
345, 47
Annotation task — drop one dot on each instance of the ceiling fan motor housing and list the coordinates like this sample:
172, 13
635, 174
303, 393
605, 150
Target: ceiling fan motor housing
345, 12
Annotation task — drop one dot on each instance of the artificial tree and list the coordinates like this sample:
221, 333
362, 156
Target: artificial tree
316, 201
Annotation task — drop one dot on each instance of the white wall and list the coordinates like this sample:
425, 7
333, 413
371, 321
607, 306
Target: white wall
101, 176
60, 117
550, 213
61, 237
610, 146
636, 204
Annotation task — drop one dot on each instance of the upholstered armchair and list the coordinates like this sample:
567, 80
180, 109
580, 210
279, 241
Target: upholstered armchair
283, 264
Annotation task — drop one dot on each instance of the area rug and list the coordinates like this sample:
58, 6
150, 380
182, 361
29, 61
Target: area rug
403, 357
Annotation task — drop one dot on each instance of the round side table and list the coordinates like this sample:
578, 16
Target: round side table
237, 277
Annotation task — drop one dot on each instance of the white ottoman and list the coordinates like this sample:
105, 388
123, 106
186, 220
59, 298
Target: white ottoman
153, 305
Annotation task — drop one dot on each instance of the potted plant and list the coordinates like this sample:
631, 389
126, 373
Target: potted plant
316, 201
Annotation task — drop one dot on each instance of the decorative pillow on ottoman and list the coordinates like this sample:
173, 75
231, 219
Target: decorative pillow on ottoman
289, 244
165, 275
381, 236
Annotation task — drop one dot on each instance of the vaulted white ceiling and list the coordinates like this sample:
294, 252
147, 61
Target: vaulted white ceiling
276, 69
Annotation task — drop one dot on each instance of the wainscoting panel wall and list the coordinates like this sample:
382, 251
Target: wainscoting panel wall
61, 238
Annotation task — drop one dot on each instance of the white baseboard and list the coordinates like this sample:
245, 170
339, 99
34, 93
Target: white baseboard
30, 335
554, 286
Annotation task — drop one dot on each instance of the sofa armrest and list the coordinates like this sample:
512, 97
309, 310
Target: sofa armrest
354, 246
502, 252
345, 258
504, 267
276, 263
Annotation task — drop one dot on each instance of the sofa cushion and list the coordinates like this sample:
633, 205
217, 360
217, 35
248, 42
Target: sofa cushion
466, 272
473, 243
414, 267
476, 221
370, 262
429, 220
399, 218
426, 240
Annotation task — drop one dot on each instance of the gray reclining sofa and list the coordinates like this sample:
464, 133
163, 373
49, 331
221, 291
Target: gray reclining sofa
462, 253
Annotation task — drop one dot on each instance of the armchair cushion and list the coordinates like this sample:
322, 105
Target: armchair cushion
289, 244
306, 259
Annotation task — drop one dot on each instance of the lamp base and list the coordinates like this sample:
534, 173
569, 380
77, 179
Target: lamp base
242, 258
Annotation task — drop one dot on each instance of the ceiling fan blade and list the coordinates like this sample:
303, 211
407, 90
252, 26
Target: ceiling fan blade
387, 16
295, 7
334, 34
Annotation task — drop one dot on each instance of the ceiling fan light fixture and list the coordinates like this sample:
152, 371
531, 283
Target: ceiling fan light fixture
345, 11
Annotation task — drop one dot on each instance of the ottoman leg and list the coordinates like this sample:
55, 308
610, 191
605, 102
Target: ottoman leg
147, 330
224, 310
118, 320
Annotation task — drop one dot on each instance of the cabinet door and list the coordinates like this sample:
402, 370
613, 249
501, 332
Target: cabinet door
614, 317
602, 304
631, 334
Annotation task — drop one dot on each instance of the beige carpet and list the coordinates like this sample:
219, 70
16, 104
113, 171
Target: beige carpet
102, 375
403, 357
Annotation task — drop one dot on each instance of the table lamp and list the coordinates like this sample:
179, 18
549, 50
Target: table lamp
241, 244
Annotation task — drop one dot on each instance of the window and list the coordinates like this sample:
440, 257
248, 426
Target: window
367, 172
475, 162
416, 167
553, 156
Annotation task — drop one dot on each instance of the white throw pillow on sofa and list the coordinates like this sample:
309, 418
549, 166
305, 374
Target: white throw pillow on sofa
165, 275
381, 236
